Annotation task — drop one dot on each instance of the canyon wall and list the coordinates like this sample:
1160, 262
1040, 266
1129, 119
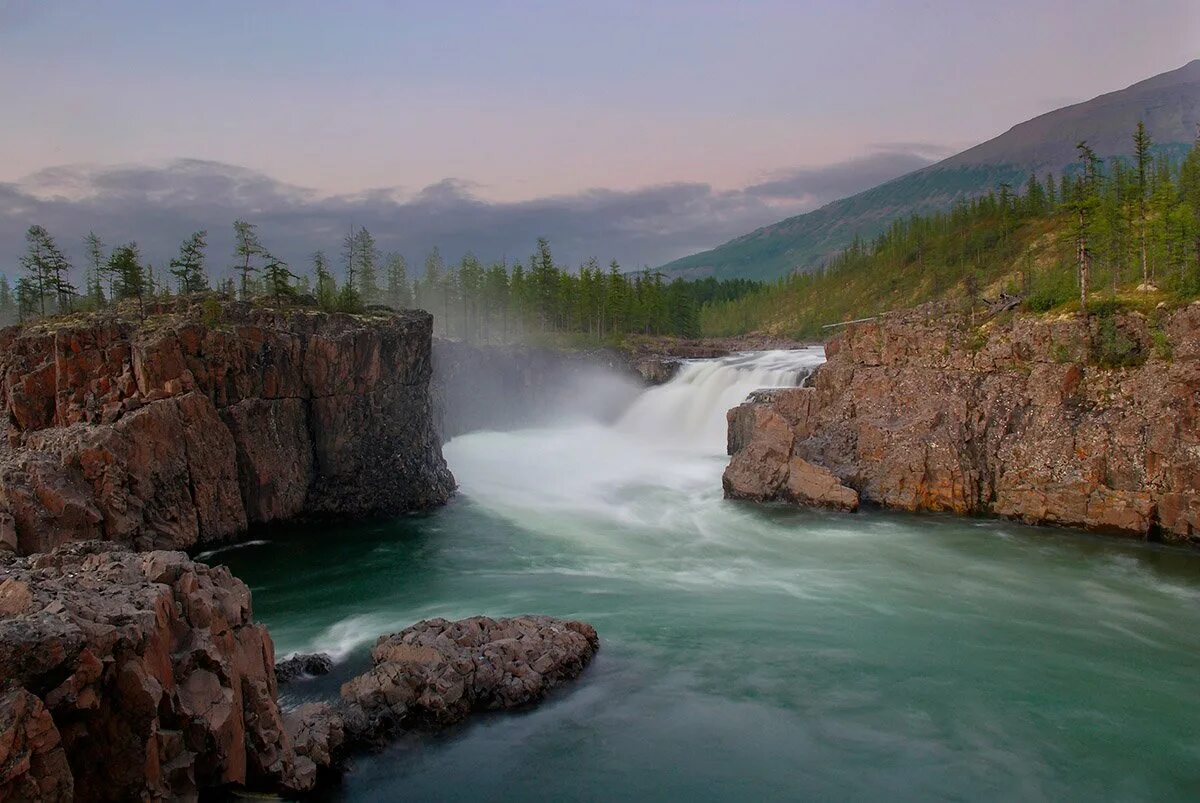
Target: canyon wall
203, 418
1063, 421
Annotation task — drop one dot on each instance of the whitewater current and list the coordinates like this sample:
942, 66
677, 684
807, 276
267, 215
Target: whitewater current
754, 652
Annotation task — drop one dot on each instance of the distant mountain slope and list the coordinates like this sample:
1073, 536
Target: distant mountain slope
1168, 103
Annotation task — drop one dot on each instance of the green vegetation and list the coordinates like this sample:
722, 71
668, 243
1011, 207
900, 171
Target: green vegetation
1126, 232
1100, 237
540, 299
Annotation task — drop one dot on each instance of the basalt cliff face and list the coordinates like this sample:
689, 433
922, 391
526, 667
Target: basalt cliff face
186, 427
1027, 418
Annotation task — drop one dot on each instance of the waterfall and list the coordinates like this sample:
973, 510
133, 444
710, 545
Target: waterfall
689, 411
656, 471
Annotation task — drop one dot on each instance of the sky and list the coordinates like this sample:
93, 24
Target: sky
640, 130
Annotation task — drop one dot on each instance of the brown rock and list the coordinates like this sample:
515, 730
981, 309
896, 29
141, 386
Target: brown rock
174, 432
913, 414
437, 672
33, 765
812, 485
158, 681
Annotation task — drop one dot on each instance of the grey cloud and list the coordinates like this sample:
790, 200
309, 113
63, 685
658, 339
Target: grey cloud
841, 179
159, 206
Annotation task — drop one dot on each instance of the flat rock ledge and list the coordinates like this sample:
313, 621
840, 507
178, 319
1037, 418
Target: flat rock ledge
143, 676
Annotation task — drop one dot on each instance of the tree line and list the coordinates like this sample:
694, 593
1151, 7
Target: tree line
495, 302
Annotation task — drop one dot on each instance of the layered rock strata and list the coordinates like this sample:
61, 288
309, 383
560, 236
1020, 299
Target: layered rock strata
186, 427
1085, 423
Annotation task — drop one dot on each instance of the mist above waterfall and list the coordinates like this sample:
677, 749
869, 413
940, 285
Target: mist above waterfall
657, 467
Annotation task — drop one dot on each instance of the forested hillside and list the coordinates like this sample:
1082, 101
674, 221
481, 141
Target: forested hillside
1168, 104
1119, 231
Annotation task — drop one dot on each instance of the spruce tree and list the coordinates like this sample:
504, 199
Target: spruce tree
367, 259
1141, 155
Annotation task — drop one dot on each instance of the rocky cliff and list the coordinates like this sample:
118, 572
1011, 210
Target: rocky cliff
187, 426
134, 676
143, 676
1062, 421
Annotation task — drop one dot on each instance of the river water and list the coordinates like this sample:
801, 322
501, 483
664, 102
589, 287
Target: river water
754, 652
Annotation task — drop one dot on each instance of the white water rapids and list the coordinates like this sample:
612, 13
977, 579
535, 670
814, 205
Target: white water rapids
658, 466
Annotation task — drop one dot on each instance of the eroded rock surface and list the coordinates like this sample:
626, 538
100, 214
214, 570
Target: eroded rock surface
143, 676
436, 672
134, 676
1023, 418
186, 427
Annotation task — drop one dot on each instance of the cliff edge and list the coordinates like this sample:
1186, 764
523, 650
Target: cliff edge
1084, 423
186, 426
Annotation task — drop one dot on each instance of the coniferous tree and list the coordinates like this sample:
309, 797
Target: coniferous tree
399, 291
132, 280
1141, 155
278, 278
29, 298
7, 306
188, 267
350, 260
326, 286
247, 249
97, 264
367, 259
47, 269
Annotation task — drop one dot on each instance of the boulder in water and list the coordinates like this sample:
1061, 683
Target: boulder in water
303, 665
437, 672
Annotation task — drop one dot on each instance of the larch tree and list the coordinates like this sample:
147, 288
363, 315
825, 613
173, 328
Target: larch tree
246, 248
1141, 155
399, 291
97, 264
326, 286
188, 267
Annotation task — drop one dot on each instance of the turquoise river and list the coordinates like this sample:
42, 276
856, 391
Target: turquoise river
753, 652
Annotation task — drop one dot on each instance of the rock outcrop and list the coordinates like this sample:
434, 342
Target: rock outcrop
143, 676
1092, 424
303, 665
186, 427
134, 676
436, 672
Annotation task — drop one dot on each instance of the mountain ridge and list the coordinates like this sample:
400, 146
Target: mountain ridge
1169, 103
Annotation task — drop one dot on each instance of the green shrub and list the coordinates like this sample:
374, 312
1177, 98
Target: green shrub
1162, 344
1050, 289
210, 312
1113, 348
